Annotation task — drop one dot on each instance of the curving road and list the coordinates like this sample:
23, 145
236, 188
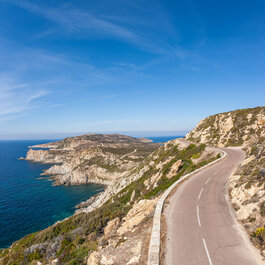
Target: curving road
201, 228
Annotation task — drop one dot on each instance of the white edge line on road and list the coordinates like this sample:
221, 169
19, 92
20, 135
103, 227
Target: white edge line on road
207, 252
154, 244
198, 216
200, 194
207, 180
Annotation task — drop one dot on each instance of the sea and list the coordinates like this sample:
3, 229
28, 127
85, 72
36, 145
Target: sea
29, 204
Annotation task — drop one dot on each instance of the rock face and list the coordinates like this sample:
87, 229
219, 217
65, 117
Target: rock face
94, 259
231, 128
244, 128
111, 226
91, 158
137, 214
247, 186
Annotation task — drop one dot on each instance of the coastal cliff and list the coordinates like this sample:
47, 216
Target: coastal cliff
113, 227
91, 158
245, 128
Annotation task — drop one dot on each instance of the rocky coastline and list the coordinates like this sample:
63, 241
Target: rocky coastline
91, 158
114, 226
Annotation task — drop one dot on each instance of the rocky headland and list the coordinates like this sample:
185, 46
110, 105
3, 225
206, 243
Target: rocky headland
91, 158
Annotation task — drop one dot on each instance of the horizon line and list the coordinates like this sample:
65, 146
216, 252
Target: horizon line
59, 136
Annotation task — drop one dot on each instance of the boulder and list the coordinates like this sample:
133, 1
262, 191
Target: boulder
136, 215
94, 258
111, 226
174, 169
244, 212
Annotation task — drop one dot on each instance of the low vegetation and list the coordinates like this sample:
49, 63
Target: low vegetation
230, 128
258, 236
73, 239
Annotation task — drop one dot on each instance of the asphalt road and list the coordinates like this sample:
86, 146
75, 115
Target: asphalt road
201, 228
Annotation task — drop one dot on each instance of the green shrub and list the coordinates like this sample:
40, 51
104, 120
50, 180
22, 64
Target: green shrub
259, 233
34, 256
196, 156
3, 252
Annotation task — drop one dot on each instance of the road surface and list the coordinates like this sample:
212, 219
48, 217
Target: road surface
201, 228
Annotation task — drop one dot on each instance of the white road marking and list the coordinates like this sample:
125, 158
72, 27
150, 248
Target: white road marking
198, 216
200, 194
216, 172
207, 252
207, 180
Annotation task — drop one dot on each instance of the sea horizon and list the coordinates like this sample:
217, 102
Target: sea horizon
29, 204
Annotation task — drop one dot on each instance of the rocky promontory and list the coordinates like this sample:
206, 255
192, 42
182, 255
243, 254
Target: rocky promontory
91, 158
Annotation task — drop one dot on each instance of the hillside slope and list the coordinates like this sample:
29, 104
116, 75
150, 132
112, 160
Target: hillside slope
114, 227
244, 128
233, 128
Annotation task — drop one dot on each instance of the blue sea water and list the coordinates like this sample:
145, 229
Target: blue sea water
29, 204
163, 139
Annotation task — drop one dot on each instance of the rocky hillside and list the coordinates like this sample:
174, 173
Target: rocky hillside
244, 128
233, 128
114, 227
97, 158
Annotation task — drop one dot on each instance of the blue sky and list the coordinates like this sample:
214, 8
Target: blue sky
138, 67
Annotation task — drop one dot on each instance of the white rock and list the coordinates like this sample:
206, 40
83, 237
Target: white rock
245, 211
136, 215
94, 258
106, 260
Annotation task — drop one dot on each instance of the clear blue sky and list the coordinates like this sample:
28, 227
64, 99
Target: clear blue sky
140, 67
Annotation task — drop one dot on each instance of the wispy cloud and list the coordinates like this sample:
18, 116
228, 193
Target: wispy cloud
16, 99
89, 24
